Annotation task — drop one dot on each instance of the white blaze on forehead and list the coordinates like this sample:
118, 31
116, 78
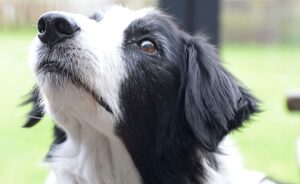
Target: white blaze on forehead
104, 41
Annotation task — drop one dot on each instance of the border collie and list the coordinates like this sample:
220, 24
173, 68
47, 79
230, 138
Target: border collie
135, 100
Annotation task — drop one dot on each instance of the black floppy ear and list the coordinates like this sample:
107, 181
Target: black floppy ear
215, 103
37, 110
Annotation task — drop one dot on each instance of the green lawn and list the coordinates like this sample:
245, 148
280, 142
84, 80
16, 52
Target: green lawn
268, 143
22, 150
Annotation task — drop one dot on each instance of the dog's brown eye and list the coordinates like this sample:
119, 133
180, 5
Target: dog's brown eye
147, 46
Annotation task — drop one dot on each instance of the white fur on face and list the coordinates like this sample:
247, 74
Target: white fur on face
98, 52
92, 153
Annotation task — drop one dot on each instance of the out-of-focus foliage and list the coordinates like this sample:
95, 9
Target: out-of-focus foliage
265, 21
16, 13
270, 21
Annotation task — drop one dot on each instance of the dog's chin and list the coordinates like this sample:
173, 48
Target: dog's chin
51, 67
53, 76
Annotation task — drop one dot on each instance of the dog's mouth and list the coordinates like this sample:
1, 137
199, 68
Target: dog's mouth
61, 71
51, 67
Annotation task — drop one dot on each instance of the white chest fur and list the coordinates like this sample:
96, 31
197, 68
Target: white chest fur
95, 159
92, 154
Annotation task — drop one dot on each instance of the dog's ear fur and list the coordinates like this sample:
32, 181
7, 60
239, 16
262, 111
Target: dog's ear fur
37, 110
215, 103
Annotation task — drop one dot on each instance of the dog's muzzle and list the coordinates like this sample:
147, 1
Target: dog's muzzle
54, 28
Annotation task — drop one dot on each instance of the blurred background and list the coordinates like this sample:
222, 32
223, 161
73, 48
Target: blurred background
259, 42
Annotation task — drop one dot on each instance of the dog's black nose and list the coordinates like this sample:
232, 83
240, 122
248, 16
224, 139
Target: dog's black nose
54, 27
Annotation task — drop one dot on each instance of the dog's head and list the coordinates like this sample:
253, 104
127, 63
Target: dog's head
137, 74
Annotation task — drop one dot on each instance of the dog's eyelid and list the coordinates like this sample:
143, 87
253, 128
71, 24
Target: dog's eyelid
148, 46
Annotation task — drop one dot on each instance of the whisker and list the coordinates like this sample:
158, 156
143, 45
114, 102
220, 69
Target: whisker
35, 117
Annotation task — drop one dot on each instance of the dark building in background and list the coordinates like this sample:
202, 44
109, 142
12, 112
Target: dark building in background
196, 15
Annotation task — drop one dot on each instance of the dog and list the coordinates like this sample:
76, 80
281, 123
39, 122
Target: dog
136, 100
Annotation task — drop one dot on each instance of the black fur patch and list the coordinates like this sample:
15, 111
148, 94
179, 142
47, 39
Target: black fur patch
178, 103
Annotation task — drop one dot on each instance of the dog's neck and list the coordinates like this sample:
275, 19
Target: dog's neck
92, 157
92, 153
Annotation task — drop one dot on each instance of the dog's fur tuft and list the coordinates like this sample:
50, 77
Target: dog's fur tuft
215, 103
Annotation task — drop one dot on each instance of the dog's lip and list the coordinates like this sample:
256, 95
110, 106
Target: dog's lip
97, 98
101, 101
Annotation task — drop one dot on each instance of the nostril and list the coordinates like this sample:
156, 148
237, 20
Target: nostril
41, 25
65, 27
60, 26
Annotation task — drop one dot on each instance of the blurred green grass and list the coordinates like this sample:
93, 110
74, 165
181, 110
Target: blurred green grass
267, 143
22, 150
